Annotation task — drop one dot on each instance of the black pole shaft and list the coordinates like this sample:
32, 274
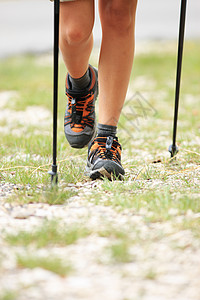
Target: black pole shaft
55, 88
53, 173
178, 72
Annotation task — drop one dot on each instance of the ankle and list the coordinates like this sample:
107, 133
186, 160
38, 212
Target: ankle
106, 130
82, 82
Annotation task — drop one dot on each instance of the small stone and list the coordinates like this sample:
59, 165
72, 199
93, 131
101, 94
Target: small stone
173, 212
21, 213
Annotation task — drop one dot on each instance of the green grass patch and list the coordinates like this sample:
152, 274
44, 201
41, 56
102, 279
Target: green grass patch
51, 197
51, 233
53, 264
113, 233
120, 242
191, 224
151, 274
119, 252
8, 295
157, 203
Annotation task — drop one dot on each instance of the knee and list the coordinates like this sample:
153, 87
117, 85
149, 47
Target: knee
75, 34
120, 14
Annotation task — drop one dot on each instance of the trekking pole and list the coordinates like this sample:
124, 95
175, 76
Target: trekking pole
53, 172
173, 149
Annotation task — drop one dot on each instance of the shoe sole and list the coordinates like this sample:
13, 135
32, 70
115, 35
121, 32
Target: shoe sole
101, 173
82, 141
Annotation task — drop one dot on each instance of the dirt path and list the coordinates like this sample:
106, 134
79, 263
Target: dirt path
163, 262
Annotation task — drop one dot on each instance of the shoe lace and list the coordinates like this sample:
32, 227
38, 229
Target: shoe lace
108, 149
80, 110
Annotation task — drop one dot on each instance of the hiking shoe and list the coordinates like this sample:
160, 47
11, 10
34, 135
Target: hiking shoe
104, 158
80, 119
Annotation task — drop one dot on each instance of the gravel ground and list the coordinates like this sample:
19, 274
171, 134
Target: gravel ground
165, 262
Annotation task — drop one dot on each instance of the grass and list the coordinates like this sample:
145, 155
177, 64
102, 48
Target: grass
51, 233
52, 264
119, 252
151, 274
159, 202
8, 295
50, 196
192, 225
158, 197
120, 241
145, 129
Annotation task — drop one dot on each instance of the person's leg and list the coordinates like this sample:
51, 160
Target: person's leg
76, 39
76, 42
116, 57
115, 64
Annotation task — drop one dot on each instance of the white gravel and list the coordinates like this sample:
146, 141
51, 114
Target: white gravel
165, 260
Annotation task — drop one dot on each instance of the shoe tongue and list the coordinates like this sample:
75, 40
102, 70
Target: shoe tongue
78, 118
78, 94
76, 115
109, 142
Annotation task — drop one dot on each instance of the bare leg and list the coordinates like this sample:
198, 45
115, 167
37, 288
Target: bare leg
116, 57
76, 39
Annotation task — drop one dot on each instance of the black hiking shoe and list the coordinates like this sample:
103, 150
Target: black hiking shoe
104, 158
80, 119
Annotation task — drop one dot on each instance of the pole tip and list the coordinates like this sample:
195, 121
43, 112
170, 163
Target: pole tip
54, 175
173, 149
